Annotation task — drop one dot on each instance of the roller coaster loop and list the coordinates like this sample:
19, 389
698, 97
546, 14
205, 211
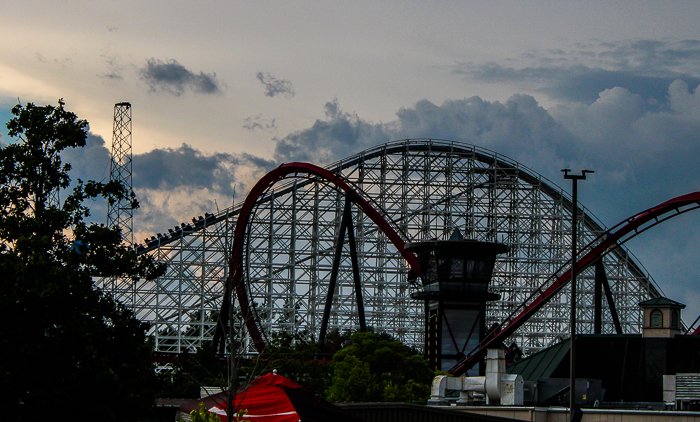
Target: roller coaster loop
236, 265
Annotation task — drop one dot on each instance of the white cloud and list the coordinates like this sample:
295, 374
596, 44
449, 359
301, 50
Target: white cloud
172, 77
622, 134
683, 101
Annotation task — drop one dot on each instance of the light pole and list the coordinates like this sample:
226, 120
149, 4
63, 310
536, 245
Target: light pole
573, 411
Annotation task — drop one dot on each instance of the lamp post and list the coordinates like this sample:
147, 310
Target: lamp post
573, 411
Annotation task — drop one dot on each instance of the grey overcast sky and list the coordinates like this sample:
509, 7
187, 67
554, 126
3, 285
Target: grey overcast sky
224, 90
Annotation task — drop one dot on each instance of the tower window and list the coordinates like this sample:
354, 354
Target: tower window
657, 319
674, 318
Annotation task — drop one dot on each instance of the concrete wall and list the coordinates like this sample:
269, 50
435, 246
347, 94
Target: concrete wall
541, 414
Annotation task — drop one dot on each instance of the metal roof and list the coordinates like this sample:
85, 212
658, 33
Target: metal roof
541, 364
663, 302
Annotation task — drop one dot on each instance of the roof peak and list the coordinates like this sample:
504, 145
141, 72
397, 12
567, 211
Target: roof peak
661, 301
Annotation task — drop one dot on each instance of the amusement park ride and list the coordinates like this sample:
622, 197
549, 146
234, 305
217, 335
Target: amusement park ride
279, 252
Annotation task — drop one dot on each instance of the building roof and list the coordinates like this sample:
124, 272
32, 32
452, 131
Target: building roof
661, 302
629, 366
542, 363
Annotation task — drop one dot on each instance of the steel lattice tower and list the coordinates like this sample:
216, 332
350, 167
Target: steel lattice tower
54, 198
120, 214
428, 188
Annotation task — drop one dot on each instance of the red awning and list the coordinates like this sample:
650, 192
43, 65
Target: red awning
273, 398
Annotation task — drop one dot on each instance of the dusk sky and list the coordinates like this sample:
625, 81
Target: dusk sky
223, 91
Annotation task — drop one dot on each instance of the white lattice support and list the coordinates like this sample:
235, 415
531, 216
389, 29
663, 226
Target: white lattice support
427, 187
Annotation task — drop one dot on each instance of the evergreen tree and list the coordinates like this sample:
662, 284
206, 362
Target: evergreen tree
66, 346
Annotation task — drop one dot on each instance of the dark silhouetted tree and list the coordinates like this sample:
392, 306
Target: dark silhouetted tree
66, 347
375, 367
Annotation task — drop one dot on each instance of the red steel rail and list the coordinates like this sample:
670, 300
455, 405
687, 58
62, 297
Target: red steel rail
608, 242
236, 264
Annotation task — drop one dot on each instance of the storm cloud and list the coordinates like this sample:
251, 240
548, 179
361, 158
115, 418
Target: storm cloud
644, 153
89, 163
274, 87
519, 126
174, 78
644, 67
184, 166
339, 135
631, 146
171, 184
175, 183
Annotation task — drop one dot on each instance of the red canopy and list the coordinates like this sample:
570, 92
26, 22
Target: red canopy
274, 398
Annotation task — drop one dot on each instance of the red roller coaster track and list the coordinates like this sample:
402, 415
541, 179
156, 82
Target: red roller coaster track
606, 243
610, 240
236, 264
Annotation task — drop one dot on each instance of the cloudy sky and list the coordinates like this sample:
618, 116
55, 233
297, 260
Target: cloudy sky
224, 90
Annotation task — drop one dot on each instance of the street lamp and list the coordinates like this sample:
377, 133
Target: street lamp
574, 413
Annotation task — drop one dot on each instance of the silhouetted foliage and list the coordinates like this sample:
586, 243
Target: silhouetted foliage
303, 360
191, 371
374, 367
352, 366
347, 367
65, 344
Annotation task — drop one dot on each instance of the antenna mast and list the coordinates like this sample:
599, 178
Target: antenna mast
120, 213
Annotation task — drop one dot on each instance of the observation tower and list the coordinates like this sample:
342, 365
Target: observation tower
455, 274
